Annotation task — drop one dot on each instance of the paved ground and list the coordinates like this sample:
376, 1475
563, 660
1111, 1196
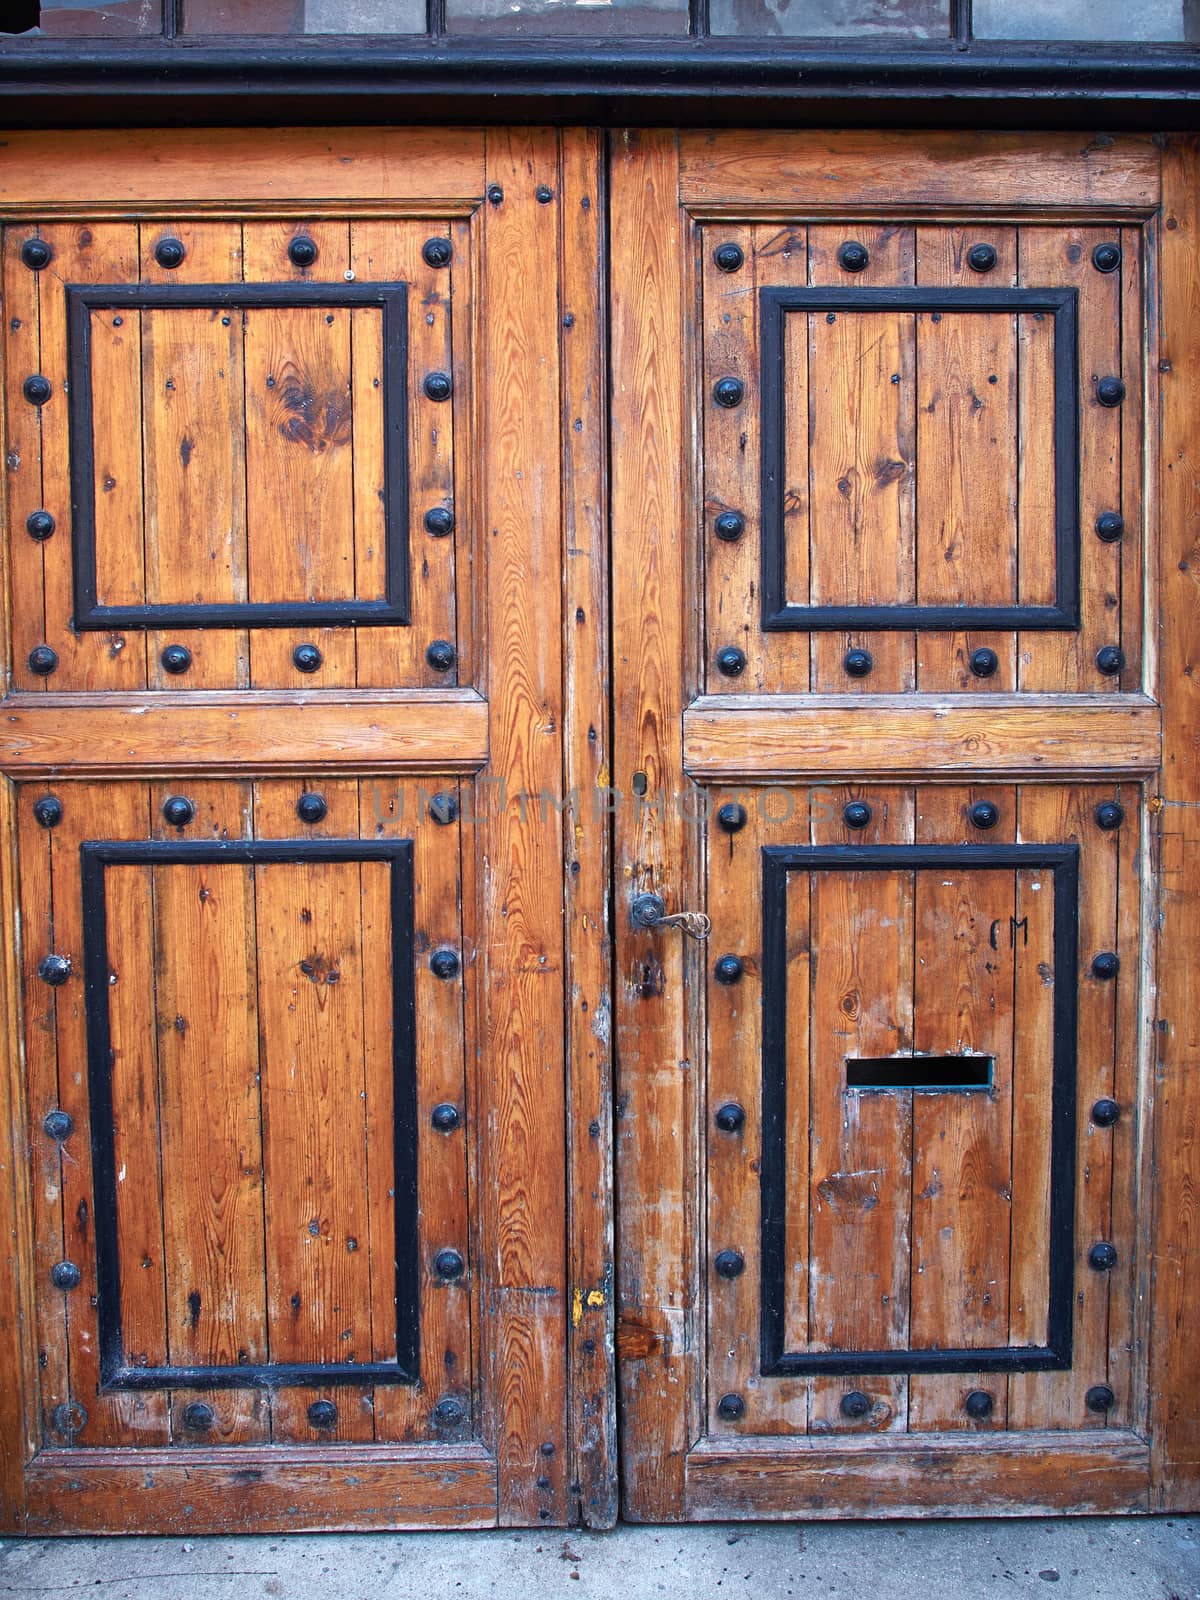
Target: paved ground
1078, 1559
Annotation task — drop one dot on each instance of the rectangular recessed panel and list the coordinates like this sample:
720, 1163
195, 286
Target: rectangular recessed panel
239, 454
232, 1019
926, 1073
893, 445
935, 980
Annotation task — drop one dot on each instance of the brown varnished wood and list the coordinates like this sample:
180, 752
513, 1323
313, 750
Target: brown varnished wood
586, 769
279, 731
520, 984
781, 737
1175, 1420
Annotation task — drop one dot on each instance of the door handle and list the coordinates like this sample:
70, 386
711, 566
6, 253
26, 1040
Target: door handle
650, 911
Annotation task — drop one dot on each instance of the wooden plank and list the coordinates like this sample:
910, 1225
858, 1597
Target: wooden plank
1175, 1417
915, 171
299, 450
284, 167
978, 495
862, 450
22, 461
520, 982
275, 732
20, 1160
658, 1225
93, 253
194, 430
586, 757
778, 737
962, 1142
245, 1490
921, 1475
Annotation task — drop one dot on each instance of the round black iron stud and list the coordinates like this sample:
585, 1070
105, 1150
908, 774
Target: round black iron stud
441, 655
1106, 964
58, 1125
439, 521
1109, 814
1105, 1113
730, 1117
69, 1418
985, 663
39, 525
1110, 391
730, 526
178, 810
448, 1264
1111, 660
306, 658
729, 1263
54, 970
852, 256
731, 662
48, 811
981, 257
728, 969
729, 392
65, 1275
443, 808
36, 254
197, 1417
437, 386
311, 807
855, 1405
1110, 525
302, 251
984, 814
437, 252
448, 1413
1106, 257
444, 963
731, 817
858, 663
1100, 1398
169, 253
856, 814
176, 659
36, 389
731, 1408
1102, 1257
979, 1405
446, 1117
729, 257
322, 1414
42, 660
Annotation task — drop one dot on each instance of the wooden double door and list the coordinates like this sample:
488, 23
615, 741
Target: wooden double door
435, 561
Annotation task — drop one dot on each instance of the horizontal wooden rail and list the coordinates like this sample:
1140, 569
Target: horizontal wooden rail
269, 731
752, 737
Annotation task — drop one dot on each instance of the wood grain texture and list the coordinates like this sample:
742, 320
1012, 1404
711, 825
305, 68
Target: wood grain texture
272, 732
778, 737
520, 981
916, 171
1175, 1418
652, 676
586, 765
284, 168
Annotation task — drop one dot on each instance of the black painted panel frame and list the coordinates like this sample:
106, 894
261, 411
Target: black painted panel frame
775, 304
777, 862
115, 1373
392, 299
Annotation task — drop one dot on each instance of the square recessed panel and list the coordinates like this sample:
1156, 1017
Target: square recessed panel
238, 455
289, 1257
939, 994
927, 433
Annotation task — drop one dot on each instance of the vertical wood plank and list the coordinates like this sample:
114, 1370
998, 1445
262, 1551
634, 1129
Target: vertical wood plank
1175, 1417
658, 1223
23, 461
586, 765
521, 969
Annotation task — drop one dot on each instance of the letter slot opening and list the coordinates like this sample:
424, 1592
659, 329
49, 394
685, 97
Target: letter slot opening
932, 1074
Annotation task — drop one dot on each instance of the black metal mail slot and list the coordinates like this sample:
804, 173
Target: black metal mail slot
920, 1072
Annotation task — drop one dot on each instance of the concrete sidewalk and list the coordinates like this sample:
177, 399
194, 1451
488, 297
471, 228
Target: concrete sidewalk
1075, 1559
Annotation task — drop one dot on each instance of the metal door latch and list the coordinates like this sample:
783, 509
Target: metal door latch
650, 911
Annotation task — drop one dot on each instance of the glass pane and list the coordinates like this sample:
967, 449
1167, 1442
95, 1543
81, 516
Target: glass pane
629, 19
303, 16
833, 19
1176, 20
71, 19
